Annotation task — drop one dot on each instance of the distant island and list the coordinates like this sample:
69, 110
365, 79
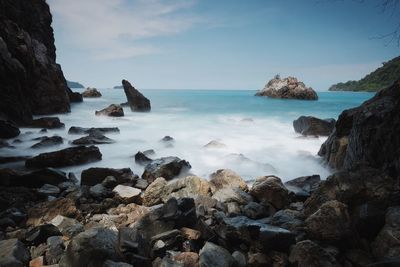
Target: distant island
74, 84
118, 87
376, 80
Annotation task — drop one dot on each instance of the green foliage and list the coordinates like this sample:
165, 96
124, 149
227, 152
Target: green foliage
376, 80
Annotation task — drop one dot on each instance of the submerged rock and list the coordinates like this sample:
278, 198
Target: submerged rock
167, 167
288, 87
48, 141
8, 129
112, 111
308, 125
142, 159
47, 123
136, 100
215, 144
93, 139
91, 92
93, 176
212, 255
93, 130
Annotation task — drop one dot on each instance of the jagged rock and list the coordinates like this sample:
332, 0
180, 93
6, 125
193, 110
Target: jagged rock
13, 253
167, 167
93, 139
212, 255
142, 159
48, 141
8, 129
47, 123
269, 189
308, 125
93, 176
227, 178
39, 234
128, 215
65, 157
303, 186
136, 100
34, 179
367, 134
91, 92
93, 130
112, 111
127, 193
308, 254
46, 211
288, 87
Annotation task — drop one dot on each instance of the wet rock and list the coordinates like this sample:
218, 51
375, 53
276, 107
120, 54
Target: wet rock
93, 176
229, 194
167, 167
34, 179
254, 210
93, 139
80, 130
47, 123
288, 219
128, 214
55, 249
126, 193
240, 258
39, 234
109, 182
112, 111
13, 253
69, 227
212, 255
269, 189
188, 259
8, 129
49, 190
48, 141
136, 100
308, 254
167, 139
288, 87
99, 191
215, 144
109, 263
142, 159
13, 159
65, 157
227, 178
91, 92
308, 125
302, 187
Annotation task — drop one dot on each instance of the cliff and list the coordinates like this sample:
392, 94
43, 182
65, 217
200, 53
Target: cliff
31, 82
376, 80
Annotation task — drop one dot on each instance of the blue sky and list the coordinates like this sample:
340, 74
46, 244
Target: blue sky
219, 44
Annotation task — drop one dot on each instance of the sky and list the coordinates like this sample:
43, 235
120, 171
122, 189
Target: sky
220, 44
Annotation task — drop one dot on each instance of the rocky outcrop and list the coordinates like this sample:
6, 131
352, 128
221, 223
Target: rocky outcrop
93, 130
137, 101
308, 125
367, 134
93, 176
92, 139
47, 123
91, 92
8, 129
112, 111
167, 167
46, 141
31, 81
288, 88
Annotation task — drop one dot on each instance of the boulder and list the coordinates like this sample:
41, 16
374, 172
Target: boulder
8, 129
49, 190
308, 254
93, 139
65, 157
69, 227
303, 186
227, 178
44, 212
128, 215
308, 125
232, 194
39, 234
48, 141
55, 249
126, 193
99, 191
93, 130
142, 159
91, 92
136, 100
212, 255
288, 219
255, 211
93, 176
289, 88
214, 144
35, 179
188, 259
270, 190
13, 253
112, 111
47, 123
167, 167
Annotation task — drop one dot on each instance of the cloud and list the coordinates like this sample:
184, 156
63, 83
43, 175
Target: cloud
112, 29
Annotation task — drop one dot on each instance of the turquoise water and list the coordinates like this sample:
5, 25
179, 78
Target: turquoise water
256, 132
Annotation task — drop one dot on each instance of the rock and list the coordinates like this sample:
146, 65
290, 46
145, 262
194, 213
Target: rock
65, 157
142, 159
152, 194
13, 159
93, 139
136, 100
330, 223
109, 182
109, 263
69, 227
55, 249
127, 193
13, 253
269, 189
302, 187
91, 92
80, 130
229, 194
149, 152
35, 179
128, 214
308, 125
47, 123
190, 234
308, 254
212, 255
188, 259
48, 141
167, 139
91, 248
8, 129
75, 97
98, 191
93, 176
367, 134
288, 87
49, 190
287, 219
112, 111
255, 211
227, 178
39, 234
37, 262
240, 258
215, 144
141, 184
167, 167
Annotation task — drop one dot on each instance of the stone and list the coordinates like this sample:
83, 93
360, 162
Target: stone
240, 258
255, 211
269, 189
37, 262
13, 253
288, 219
69, 227
308, 254
212, 255
47, 123
188, 259
167, 139
8, 129
104, 130
48, 141
167, 167
128, 214
229, 194
287, 88
227, 178
141, 184
39, 234
55, 249
109, 182
308, 125
93, 139
91, 92
65, 157
35, 179
142, 159
99, 191
214, 144
112, 110
303, 186
127, 193
152, 194
49, 190
109, 263
137, 101
93, 176
190, 234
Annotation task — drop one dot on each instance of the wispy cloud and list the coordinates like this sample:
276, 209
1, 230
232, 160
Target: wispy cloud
112, 29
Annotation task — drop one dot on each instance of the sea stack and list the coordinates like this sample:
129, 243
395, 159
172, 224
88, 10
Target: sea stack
137, 101
288, 88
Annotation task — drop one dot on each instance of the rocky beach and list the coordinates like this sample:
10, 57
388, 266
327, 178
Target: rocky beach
65, 206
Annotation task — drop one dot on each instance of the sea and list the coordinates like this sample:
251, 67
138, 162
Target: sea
255, 134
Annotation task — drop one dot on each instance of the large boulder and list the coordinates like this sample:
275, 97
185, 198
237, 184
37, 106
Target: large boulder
270, 190
368, 134
309, 254
93, 176
13, 253
288, 87
227, 178
93, 139
303, 186
93, 130
8, 129
48, 141
137, 101
65, 157
212, 255
167, 167
47, 123
112, 111
34, 179
308, 125
91, 92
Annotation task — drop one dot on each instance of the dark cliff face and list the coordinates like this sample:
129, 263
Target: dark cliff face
368, 134
31, 83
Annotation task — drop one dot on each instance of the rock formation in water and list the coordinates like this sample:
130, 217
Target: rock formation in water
91, 92
288, 88
308, 125
137, 101
31, 82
